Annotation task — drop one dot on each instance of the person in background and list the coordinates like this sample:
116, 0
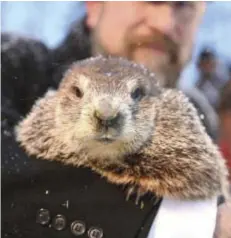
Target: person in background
224, 111
159, 35
210, 81
229, 72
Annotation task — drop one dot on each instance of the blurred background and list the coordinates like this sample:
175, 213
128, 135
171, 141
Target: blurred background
49, 21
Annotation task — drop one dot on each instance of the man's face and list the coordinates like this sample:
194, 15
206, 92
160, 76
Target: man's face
157, 34
208, 66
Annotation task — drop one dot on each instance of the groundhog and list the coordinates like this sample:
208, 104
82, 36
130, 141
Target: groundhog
111, 115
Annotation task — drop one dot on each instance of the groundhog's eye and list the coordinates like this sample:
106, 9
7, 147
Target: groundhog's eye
137, 94
78, 93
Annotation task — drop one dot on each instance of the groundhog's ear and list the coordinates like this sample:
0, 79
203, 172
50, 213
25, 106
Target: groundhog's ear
35, 129
181, 139
178, 117
177, 106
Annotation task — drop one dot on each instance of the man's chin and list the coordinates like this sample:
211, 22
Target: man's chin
166, 73
155, 61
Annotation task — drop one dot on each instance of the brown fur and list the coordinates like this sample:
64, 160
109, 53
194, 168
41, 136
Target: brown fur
160, 145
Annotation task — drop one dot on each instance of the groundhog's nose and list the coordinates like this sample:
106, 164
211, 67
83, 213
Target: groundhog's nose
106, 113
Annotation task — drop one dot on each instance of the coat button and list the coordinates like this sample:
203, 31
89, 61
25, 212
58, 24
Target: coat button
43, 216
95, 232
59, 222
78, 228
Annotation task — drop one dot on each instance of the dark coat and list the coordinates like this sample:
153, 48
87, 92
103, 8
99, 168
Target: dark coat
25, 71
73, 194
29, 184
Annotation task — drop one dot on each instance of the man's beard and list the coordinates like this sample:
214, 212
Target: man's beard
168, 70
167, 74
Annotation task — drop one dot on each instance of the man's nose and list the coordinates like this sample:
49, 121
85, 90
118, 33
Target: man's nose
160, 16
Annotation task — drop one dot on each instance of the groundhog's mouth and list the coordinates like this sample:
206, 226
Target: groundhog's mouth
105, 138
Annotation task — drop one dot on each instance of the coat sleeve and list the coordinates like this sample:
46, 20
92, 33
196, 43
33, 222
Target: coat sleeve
26, 74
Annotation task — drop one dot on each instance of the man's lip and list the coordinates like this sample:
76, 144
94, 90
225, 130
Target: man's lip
157, 47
